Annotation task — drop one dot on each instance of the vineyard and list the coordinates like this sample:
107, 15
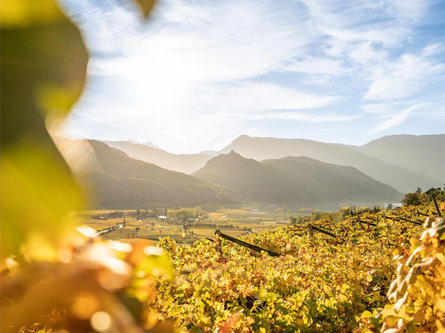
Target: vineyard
317, 284
364, 271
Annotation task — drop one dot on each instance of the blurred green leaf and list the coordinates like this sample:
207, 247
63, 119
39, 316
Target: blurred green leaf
43, 72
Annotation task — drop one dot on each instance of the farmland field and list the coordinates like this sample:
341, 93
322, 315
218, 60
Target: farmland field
234, 222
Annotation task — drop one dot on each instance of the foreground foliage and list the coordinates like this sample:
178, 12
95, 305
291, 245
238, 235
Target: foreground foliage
317, 284
88, 284
417, 293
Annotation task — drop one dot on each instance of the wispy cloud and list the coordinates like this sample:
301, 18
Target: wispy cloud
301, 116
216, 69
402, 77
321, 66
393, 119
252, 96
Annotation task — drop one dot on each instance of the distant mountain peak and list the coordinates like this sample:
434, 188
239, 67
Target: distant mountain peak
241, 138
231, 155
150, 144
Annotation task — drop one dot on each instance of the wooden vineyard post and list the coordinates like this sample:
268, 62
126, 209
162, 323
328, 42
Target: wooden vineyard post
408, 220
325, 232
359, 221
384, 216
420, 213
439, 213
245, 244
218, 241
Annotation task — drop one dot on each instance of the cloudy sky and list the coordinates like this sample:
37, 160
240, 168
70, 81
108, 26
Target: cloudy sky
200, 73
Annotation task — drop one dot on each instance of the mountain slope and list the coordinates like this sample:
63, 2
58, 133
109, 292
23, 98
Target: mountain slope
344, 183
186, 163
118, 181
424, 153
294, 181
246, 177
271, 148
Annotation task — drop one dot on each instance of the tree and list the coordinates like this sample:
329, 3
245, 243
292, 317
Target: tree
415, 199
183, 214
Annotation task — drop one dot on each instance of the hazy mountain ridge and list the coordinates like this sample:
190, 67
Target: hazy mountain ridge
390, 160
294, 181
186, 163
260, 148
403, 161
423, 154
118, 181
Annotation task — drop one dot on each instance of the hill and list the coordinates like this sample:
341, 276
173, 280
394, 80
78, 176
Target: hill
423, 153
294, 182
400, 178
186, 163
118, 181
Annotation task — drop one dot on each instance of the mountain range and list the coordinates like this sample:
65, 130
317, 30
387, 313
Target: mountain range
294, 182
404, 162
384, 170
262, 172
117, 181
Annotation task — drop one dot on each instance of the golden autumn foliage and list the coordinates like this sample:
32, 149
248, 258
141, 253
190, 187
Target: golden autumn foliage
419, 288
417, 294
91, 284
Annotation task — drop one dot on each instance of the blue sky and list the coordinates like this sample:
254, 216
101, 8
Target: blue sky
200, 73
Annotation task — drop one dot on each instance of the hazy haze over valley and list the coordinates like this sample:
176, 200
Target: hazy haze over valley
397, 160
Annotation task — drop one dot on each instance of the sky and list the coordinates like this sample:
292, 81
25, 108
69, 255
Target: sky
198, 74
